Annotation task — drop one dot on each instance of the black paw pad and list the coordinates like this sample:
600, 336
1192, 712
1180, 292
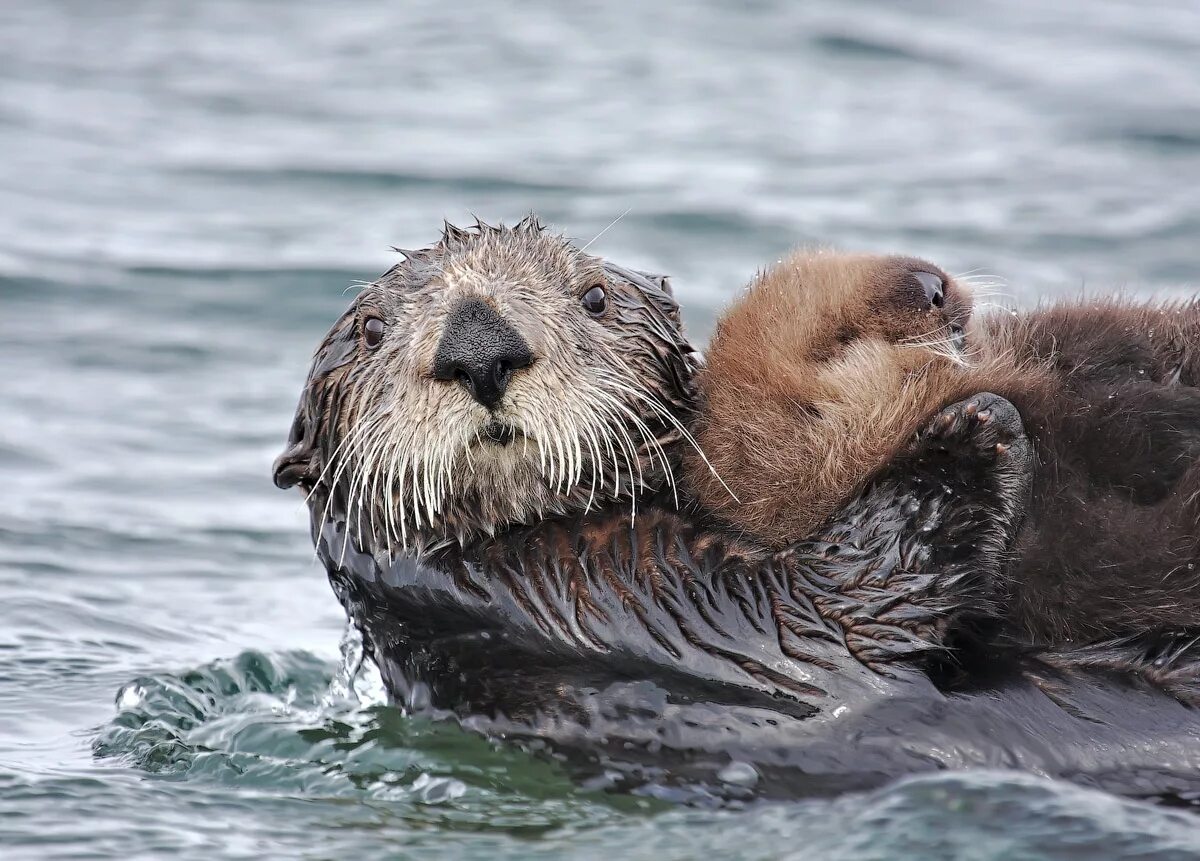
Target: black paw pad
987, 423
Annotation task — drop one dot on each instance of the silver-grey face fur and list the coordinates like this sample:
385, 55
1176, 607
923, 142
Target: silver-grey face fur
407, 459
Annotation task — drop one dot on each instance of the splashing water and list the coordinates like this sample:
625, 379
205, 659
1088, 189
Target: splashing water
291, 723
357, 679
283, 734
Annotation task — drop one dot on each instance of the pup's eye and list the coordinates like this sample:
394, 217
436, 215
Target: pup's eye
373, 331
595, 300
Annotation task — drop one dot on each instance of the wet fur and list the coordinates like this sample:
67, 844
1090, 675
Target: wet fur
798, 417
404, 456
655, 651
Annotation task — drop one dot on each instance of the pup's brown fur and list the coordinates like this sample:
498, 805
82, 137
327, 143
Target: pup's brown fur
816, 379
819, 375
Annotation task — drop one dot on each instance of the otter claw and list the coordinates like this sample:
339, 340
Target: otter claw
987, 424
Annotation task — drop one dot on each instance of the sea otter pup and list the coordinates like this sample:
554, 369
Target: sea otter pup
487, 439
821, 374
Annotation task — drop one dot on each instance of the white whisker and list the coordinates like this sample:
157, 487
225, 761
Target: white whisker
666, 414
611, 225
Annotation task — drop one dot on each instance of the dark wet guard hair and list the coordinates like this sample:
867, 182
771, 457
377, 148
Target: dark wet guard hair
298, 464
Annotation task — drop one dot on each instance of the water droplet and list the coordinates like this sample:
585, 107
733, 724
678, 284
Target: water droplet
437, 790
357, 679
133, 695
738, 773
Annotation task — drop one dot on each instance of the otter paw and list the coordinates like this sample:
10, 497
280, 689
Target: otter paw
985, 423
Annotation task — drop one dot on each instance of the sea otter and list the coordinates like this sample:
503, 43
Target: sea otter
489, 440
848, 356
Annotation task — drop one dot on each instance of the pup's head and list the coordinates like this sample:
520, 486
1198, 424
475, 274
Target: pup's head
822, 302
498, 376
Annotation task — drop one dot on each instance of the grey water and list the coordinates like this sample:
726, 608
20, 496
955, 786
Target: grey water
189, 190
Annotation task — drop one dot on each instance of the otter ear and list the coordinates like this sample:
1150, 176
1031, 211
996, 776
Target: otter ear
662, 282
671, 307
639, 279
655, 286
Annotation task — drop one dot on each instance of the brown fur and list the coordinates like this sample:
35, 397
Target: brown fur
811, 389
1111, 543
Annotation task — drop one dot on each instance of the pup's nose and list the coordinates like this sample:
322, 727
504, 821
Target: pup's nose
481, 351
935, 289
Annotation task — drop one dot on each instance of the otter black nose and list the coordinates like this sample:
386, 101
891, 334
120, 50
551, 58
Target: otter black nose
480, 350
934, 288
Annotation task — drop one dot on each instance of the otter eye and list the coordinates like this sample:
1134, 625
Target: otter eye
373, 331
595, 300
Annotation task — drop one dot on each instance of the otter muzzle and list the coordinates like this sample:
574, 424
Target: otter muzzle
481, 351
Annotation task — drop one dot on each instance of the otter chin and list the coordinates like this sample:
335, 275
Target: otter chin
490, 440
500, 433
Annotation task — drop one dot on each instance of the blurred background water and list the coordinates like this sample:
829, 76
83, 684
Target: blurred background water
187, 191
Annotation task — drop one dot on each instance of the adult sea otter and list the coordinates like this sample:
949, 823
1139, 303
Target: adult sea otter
489, 440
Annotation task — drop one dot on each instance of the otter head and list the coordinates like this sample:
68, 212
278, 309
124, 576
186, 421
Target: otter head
831, 300
496, 377
912, 302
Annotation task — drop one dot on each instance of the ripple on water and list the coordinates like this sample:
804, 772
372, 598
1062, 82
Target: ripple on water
282, 724
274, 727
